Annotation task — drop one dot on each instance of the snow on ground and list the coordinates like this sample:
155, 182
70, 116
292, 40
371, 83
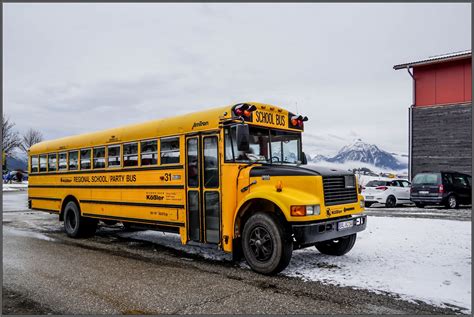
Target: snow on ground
14, 187
24, 233
425, 259
417, 259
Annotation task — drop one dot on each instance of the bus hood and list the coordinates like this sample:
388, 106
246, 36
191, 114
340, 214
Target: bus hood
287, 170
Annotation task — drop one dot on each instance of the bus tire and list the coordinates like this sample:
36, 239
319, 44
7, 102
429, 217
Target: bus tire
75, 225
266, 246
338, 247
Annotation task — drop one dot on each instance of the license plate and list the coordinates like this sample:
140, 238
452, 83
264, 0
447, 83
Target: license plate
369, 197
423, 192
343, 225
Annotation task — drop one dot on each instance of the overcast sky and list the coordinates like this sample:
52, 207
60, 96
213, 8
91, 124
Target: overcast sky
74, 68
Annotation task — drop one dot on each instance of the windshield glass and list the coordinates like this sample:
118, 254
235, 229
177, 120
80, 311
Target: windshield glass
377, 183
427, 179
265, 145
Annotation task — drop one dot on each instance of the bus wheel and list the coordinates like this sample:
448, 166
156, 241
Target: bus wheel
266, 246
339, 246
75, 225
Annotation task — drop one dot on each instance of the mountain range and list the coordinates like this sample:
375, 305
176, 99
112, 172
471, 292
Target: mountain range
363, 154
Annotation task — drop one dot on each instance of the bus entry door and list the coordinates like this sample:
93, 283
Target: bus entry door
203, 189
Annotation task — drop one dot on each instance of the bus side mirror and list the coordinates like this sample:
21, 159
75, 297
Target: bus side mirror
304, 160
243, 137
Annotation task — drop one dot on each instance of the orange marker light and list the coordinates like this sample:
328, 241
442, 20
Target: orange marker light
247, 113
279, 186
298, 210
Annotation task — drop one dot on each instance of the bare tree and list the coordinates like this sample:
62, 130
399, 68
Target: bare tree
30, 138
10, 138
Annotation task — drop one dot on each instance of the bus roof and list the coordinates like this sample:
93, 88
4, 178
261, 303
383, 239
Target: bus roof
192, 122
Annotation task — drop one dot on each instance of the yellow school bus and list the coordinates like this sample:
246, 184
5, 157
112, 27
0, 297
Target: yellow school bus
234, 176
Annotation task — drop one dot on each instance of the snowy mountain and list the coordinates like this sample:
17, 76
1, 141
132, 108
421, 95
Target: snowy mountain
361, 154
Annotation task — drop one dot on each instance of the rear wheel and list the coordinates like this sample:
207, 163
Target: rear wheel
75, 225
452, 202
339, 246
391, 201
368, 204
266, 246
420, 205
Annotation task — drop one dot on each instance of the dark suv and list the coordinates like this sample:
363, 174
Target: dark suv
441, 188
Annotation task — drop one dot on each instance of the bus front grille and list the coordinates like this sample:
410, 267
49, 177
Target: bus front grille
339, 190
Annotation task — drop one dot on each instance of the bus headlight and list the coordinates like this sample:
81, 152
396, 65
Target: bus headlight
313, 210
362, 203
310, 210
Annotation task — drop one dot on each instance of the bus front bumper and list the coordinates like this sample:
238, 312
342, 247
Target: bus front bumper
308, 234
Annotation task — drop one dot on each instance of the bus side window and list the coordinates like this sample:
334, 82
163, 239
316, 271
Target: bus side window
52, 160
169, 150
113, 157
86, 159
62, 161
43, 163
149, 152
99, 157
73, 156
34, 164
130, 154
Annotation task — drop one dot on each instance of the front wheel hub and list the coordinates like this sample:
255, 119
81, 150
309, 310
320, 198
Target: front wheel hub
261, 244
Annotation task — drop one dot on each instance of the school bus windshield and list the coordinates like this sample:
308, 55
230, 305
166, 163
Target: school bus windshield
266, 146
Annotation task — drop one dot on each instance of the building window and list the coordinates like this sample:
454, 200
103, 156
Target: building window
52, 160
43, 163
169, 150
113, 157
130, 154
86, 159
99, 157
34, 164
73, 158
149, 153
62, 162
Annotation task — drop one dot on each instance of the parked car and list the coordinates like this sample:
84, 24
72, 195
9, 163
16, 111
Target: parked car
389, 192
16, 176
441, 188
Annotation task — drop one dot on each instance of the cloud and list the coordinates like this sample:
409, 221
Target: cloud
84, 67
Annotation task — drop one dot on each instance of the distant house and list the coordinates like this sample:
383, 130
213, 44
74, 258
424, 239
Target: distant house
440, 129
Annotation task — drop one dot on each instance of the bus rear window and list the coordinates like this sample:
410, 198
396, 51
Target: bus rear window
99, 157
85, 159
34, 164
169, 150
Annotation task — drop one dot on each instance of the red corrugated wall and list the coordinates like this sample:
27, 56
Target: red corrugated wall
444, 83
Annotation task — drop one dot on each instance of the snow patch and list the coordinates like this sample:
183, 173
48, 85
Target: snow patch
24, 233
14, 187
418, 259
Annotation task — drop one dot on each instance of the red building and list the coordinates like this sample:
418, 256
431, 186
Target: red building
440, 136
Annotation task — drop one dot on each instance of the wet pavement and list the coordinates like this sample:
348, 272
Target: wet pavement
47, 272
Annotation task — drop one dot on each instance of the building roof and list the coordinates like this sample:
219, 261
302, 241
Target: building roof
436, 59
